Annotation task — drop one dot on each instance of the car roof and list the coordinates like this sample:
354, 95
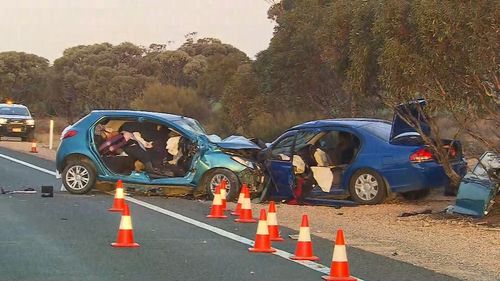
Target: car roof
170, 117
13, 105
339, 122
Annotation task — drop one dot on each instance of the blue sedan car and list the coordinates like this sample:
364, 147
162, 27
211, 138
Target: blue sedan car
364, 159
149, 149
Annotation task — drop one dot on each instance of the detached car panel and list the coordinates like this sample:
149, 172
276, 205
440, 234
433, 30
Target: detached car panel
477, 191
163, 150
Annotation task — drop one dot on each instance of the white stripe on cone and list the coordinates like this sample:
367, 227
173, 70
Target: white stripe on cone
304, 234
272, 219
241, 197
126, 223
246, 204
217, 199
339, 253
262, 228
223, 193
119, 193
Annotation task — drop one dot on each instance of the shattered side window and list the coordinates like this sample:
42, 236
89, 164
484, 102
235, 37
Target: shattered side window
303, 138
283, 147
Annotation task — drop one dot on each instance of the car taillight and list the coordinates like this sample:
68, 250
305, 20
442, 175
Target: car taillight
452, 152
421, 155
69, 134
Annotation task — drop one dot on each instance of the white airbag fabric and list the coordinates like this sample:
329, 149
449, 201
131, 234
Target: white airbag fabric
324, 177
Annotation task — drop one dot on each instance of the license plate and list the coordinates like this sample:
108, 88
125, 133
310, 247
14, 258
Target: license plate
16, 130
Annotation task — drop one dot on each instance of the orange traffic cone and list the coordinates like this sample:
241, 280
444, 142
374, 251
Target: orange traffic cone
262, 240
125, 237
119, 201
339, 270
216, 212
33, 147
272, 223
246, 209
304, 249
237, 211
223, 192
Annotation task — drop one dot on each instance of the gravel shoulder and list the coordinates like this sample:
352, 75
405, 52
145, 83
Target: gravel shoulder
461, 247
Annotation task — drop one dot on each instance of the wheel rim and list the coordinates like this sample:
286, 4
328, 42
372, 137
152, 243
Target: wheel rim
216, 180
366, 187
77, 177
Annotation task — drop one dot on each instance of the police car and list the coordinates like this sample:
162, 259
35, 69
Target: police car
16, 121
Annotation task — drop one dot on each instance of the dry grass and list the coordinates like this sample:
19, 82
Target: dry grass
42, 130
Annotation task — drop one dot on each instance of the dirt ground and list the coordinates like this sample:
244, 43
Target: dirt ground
458, 246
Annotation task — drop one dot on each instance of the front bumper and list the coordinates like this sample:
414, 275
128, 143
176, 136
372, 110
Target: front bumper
16, 130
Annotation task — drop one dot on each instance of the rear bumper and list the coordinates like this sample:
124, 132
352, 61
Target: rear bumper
424, 176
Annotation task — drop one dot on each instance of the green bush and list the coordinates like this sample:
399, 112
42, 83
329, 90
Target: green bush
172, 99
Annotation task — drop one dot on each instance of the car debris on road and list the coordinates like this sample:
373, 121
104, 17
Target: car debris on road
477, 190
28, 190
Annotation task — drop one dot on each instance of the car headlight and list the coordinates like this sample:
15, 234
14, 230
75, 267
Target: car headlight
3, 121
244, 162
30, 122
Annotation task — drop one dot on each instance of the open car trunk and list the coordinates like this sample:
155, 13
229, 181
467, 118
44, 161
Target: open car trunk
404, 133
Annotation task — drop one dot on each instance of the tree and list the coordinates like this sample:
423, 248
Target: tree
239, 96
22, 77
172, 99
97, 76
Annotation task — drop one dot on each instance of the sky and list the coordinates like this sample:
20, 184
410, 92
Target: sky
47, 27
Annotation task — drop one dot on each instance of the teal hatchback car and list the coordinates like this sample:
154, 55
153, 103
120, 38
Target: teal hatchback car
154, 150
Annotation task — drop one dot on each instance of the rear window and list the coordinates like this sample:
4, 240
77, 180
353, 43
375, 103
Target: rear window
10, 110
379, 129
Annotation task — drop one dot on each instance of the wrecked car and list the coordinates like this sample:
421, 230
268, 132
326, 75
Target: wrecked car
477, 190
149, 149
361, 159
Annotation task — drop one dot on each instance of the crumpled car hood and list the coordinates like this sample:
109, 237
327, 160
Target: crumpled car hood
233, 142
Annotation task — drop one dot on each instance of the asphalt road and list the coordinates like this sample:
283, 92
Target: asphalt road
67, 238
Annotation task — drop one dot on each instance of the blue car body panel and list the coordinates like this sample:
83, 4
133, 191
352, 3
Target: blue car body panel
208, 157
376, 153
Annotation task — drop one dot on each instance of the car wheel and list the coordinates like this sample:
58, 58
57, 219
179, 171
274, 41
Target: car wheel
367, 187
416, 194
215, 177
79, 177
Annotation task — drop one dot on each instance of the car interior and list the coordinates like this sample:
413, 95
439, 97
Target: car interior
324, 156
127, 146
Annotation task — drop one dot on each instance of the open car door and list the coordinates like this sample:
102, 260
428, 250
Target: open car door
279, 167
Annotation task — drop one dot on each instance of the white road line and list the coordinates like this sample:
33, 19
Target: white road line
280, 253
28, 164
